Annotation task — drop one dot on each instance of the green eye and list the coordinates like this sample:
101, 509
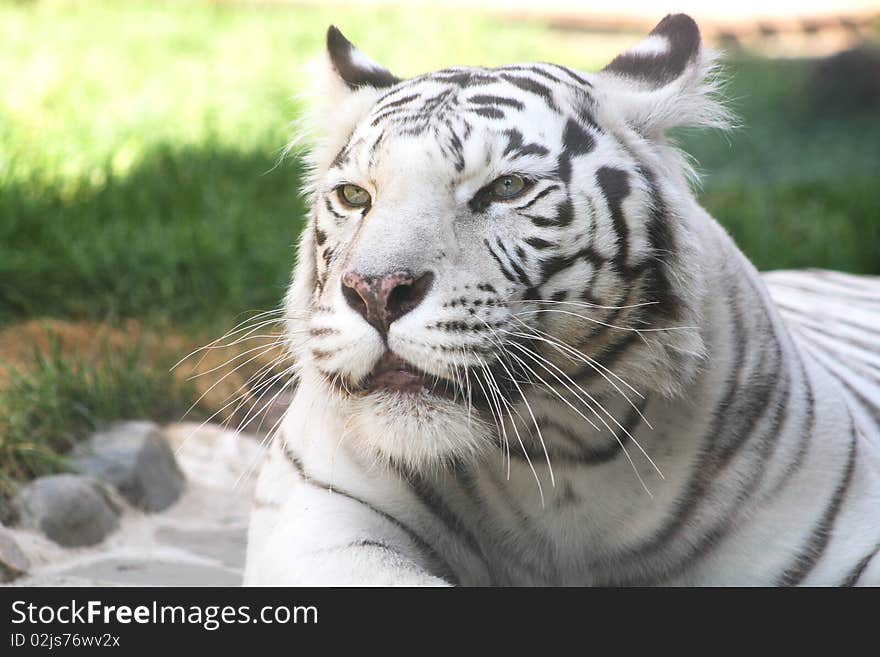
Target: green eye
353, 196
507, 187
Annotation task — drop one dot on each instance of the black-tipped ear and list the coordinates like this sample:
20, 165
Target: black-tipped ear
664, 55
353, 67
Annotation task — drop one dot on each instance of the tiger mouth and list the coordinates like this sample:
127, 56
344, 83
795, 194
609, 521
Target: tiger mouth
393, 374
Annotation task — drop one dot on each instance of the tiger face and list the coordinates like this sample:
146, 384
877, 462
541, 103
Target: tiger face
479, 237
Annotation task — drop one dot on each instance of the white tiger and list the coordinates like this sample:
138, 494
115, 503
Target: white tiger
527, 356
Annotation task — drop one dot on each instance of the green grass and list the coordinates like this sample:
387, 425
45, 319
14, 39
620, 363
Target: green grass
59, 399
797, 184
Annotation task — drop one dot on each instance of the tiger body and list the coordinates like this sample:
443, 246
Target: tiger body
631, 402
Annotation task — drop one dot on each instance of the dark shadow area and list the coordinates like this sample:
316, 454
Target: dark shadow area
191, 234
797, 184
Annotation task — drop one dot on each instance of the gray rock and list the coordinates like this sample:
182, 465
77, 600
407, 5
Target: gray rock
13, 562
134, 458
72, 510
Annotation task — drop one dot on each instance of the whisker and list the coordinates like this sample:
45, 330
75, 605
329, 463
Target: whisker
528, 406
584, 304
219, 381
601, 323
264, 445
539, 358
518, 437
250, 416
559, 347
580, 356
553, 390
265, 347
498, 422
235, 329
235, 398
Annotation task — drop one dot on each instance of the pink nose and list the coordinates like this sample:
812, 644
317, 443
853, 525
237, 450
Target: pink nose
381, 300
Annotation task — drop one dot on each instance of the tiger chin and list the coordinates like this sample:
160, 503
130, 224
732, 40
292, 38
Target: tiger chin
525, 355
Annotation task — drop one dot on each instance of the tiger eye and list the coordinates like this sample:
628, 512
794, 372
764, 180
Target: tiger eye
507, 187
354, 196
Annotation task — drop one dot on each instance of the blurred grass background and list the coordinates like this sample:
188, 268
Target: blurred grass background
140, 145
141, 179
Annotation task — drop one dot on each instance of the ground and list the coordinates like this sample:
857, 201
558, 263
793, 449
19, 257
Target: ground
199, 541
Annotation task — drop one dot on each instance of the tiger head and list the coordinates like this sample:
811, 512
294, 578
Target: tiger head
479, 234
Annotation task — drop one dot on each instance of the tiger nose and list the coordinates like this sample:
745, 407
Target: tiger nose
381, 300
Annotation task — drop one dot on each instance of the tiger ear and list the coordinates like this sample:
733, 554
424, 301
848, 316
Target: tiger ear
341, 88
353, 68
667, 80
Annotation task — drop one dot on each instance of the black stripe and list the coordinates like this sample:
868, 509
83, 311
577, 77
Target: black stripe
615, 186
331, 210
327, 255
444, 569
516, 147
575, 140
341, 157
489, 112
585, 113
806, 431
563, 167
485, 99
856, 573
455, 145
538, 197
752, 399
574, 76
582, 452
501, 265
533, 87
712, 461
397, 103
564, 216
537, 70
555, 264
538, 243
377, 544
463, 77
564, 212
806, 560
374, 150
659, 288
399, 115
433, 501
520, 272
